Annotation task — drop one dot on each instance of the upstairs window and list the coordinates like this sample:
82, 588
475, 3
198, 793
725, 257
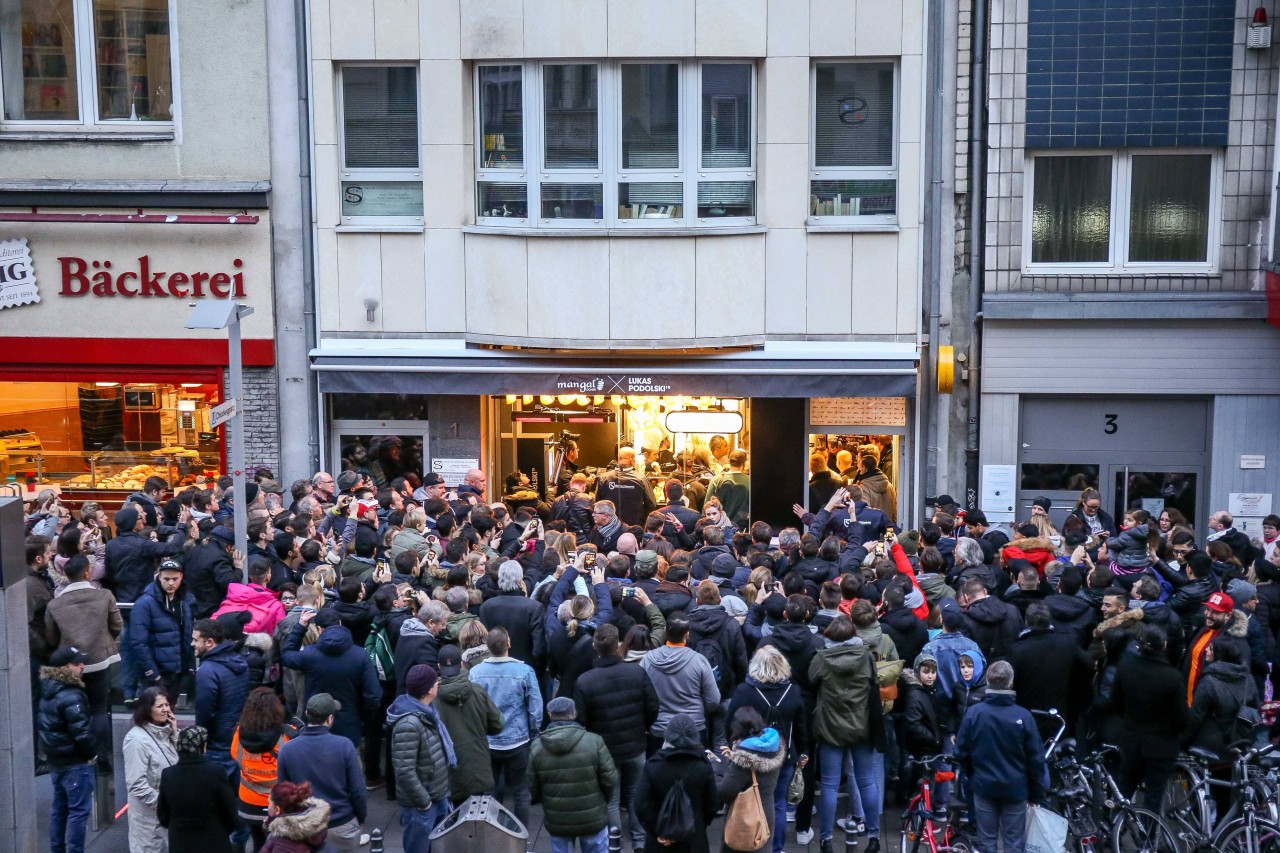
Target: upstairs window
854, 162
639, 144
381, 160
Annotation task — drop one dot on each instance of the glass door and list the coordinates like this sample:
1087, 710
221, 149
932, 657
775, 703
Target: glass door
382, 449
1156, 488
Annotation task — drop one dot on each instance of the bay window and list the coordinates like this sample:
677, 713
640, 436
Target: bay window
1128, 211
630, 144
854, 160
381, 171
76, 65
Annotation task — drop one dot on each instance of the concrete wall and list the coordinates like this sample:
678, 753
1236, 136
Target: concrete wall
779, 280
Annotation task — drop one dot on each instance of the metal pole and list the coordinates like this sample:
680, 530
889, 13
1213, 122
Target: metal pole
235, 379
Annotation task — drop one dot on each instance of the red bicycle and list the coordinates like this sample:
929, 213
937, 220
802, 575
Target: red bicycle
919, 832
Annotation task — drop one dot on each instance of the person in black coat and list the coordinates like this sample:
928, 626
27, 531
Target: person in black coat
522, 617
709, 622
1051, 671
333, 664
131, 557
991, 623
616, 700
197, 802
681, 761
1149, 696
908, 632
1069, 611
211, 568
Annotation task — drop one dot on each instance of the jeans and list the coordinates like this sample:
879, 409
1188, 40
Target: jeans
598, 843
418, 825
624, 793
129, 671
345, 837
509, 769
780, 807
868, 774
72, 803
1001, 819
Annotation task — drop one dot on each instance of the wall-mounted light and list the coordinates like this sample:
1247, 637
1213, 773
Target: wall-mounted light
703, 422
1259, 34
370, 306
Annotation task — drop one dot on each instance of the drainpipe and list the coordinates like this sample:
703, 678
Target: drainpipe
307, 249
977, 235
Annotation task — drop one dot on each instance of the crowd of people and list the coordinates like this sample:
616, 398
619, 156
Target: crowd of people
641, 661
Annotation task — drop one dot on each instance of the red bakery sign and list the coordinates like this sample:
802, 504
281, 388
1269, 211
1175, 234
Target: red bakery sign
93, 277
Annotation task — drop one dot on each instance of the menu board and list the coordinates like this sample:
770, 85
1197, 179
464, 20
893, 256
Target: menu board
858, 411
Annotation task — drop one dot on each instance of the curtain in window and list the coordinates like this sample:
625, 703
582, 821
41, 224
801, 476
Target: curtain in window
1071, 213
380, 117
854, 118
1169, 208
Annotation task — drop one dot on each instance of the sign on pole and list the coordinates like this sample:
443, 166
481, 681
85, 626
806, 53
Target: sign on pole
222, 413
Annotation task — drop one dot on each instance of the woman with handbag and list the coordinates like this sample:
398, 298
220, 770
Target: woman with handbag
754, 757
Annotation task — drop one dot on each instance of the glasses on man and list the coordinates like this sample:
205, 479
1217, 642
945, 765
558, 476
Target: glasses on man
1182, 552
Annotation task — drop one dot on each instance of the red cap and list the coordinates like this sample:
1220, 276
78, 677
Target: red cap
1220, 602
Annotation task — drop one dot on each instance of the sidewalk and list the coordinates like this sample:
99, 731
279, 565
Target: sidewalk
383, 814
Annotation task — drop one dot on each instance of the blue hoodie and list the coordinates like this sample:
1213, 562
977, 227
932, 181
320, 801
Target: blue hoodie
946, 650
765, 743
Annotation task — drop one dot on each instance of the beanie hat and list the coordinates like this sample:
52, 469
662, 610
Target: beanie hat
562, 707
420, 680
233, 623
191, 740
250, 493
126, 517
910, 542
682, 733
1241, 591
724, 566
952, 615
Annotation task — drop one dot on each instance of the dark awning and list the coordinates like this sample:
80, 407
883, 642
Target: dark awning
887, 370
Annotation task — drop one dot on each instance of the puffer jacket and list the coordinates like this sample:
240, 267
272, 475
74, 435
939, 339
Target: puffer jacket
617, 702
1129, 549
469, 716
160, 632
705, 556
572, 774
418, 756
260, 602
923, 729
844, 677
1221, 691
1037, 551
1072, 614
761, 756
409, 539
299, 832
908, 632
132, 560
222, 685
63, 719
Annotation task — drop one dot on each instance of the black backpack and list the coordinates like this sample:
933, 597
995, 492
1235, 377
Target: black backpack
709, 648
675, 815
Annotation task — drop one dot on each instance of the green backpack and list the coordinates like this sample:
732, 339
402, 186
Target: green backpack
378, 646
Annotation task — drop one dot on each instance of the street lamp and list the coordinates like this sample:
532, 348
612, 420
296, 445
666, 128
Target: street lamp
226, 314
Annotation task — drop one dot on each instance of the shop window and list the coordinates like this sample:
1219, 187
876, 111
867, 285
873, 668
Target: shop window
381, 167
615, 144
868, 461
854, 165
105, 436
77, 64
1123, 212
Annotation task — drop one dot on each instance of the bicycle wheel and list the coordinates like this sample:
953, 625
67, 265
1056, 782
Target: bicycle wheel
1262, 837
1185, 803
1140, 831
913, 829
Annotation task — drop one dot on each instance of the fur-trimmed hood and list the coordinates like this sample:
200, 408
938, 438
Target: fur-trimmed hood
1238, 626
753, 753
260, 642
303, 825
61, 675
1120, 620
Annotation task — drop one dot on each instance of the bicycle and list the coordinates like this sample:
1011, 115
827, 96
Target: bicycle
1070, 790
1132, 829
918, 830
1188, 801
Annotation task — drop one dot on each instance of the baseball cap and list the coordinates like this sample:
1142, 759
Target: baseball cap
322, 706
327, 618
952, 615
170, 566
1220, 602
940, 501
647, 559
66, 655
364, 506
450, 658
433, 479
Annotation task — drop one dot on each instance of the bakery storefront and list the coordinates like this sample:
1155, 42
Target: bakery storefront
101, 385
507, 411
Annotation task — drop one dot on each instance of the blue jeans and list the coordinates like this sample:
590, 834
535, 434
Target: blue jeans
624, 793
418, 825
1001, 819
780, 807
598, 843
72, 802
868, 775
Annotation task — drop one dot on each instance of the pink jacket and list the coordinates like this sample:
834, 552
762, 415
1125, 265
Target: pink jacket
259, 601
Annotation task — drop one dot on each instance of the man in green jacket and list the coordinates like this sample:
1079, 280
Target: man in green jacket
469, 716
733, 489
572, 774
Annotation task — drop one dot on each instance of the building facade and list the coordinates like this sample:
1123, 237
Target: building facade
587, 215
135, 178
1128, 199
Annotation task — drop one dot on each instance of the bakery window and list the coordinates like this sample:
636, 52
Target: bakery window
108, 436
76, 65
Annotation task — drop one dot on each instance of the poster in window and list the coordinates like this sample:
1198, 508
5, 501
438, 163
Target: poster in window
382, 198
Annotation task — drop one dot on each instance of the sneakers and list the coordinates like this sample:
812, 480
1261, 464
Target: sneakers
825, 846
804, 836
852, 825
375, 782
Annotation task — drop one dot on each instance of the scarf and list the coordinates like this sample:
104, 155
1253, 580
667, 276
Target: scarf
433, 715
608, 531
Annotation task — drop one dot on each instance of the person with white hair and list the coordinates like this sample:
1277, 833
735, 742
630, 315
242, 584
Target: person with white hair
522, 617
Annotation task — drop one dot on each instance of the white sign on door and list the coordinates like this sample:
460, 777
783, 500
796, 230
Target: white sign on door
999, 492
453, 470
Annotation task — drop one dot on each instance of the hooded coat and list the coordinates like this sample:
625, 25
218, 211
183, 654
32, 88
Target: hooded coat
879, 493
418, 756
689, 767
1220, 693
63, 720
222, 685
160, 631
1036, 551
761, 756
299, 832
798, 645
572, 774
1072, 614
469, 716
416, 645
711, 623
333, 664
994, 625
908, 632
783, 709
260, 602
684, 683
844, 678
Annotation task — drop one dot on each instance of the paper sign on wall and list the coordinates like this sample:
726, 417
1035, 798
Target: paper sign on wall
1255, 504
999, 492
453, 470
858, 411
1153, 506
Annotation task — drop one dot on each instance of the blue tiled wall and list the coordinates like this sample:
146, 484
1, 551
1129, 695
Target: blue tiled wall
1128, 73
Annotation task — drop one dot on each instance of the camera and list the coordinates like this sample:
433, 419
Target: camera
562, 440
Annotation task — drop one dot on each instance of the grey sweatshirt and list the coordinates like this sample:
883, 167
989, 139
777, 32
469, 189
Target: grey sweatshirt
684, 682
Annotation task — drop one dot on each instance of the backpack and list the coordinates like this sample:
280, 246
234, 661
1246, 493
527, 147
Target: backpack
770, 720
1245, 724
709, 648
378, 646
675, 815
887, 674
746, 827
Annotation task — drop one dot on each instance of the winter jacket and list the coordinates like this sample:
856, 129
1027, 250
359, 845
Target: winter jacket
222, 685
617, 702
733, 489
1108, 523
700, 568
761, 756
1050, 672
148, 751
1188, 598
689, 768
417, 645
513, 687
1239, 543
39, 589
418, 756
1221, 692
329, 763
132, 561
299, 832
260, 602
994, 625
844, 677
574, 509
524, 619
87, 618
63, 719
880, 494
1036, 551
333, 664
711, 625
209, 573
946, 649
470, 717
671, 597
822, 486
206, 829
908, 632
357, 617
798, 645
572, 774
923, 729
160, 633
1236, 632
1072, 614
1129, 549
783, 709
630, 494
1150, 696
1001, 751
815, 570
684, 683
409, 539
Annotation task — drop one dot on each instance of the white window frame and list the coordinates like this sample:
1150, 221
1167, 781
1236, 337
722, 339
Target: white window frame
86, 87
609, 129
1121, 197
856, 173
372, 175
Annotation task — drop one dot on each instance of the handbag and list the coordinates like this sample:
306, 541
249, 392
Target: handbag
746, 827
795, 791
1046, 830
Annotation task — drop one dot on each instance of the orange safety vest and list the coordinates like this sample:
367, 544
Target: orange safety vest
257, 771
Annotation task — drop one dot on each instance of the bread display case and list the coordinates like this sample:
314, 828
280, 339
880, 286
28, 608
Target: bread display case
112, 470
